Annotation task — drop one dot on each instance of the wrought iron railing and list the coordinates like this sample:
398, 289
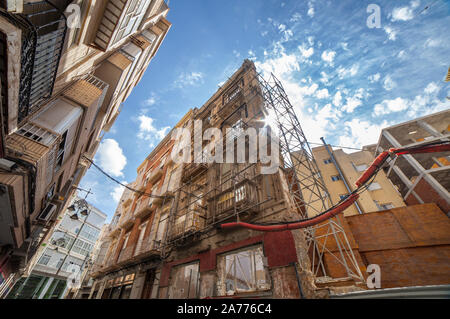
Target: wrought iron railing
191, 222
44, 29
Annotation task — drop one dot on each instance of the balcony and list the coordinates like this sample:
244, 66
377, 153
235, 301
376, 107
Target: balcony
126, 221
188, 224
193, 169
244, 198
115, 23
125, 254
43, 28
149, 247
155, 175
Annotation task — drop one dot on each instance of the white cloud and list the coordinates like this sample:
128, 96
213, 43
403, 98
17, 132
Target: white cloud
151, 100
392, 34
374, 77
189, 79
390, 106
117, 192
306, 53
337, 100
404, 13
325, 78
401, 54
111, 158
309, 90
295, 17
343, 72
432, 88
322, 94
328, 56
344, 46
388, 83
352, 104
431, 43
148, 132
358, 133
281, 65
310, 9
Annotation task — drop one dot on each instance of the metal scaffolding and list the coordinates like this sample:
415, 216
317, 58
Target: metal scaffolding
239, 194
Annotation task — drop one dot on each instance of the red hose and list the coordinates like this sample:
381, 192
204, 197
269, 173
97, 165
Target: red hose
370, 171
425, 149
372, 168
310, 222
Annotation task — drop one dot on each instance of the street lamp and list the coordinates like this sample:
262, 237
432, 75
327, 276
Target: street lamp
77, 206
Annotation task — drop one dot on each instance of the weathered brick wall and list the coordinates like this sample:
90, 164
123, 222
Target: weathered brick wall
429, 195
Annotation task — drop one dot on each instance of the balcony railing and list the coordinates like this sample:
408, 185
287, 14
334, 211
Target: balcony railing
155, 175
187, 224
126, 220
43, 28
192, 169
126, 254
242, 197
149, 246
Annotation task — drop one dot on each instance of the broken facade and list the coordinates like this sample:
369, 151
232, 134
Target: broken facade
171, 246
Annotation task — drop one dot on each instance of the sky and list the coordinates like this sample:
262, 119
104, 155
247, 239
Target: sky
346, 81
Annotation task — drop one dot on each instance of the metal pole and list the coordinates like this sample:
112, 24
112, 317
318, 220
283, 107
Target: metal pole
76, 237
333, 159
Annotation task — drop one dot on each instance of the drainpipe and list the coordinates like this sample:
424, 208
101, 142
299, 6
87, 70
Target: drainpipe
333, 159
298, 281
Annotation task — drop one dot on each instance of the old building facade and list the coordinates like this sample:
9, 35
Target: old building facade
420, 178
66, 67
171, 246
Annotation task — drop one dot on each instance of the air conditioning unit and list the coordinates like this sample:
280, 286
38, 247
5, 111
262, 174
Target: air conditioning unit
47, 213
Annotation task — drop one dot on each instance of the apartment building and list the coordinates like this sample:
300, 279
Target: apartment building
420, 178
171, 245
63, 79
64, 255
340, 171
83, 290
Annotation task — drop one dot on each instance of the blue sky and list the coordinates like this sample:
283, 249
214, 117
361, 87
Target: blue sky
345, 80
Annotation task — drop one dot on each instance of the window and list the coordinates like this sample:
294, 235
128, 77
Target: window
361, 168
386, 206
82, 247
62, 240
335, 178
242, 271
142, 228
132, 19
374, 186
327, 161
184, 281
44, 259
236, 129
89, 233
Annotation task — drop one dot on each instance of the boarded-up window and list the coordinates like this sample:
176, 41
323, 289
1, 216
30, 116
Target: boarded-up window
184, 281
242, 271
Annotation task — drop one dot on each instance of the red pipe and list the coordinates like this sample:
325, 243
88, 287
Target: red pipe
351, 199
372, 168
425, 149
311, 222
